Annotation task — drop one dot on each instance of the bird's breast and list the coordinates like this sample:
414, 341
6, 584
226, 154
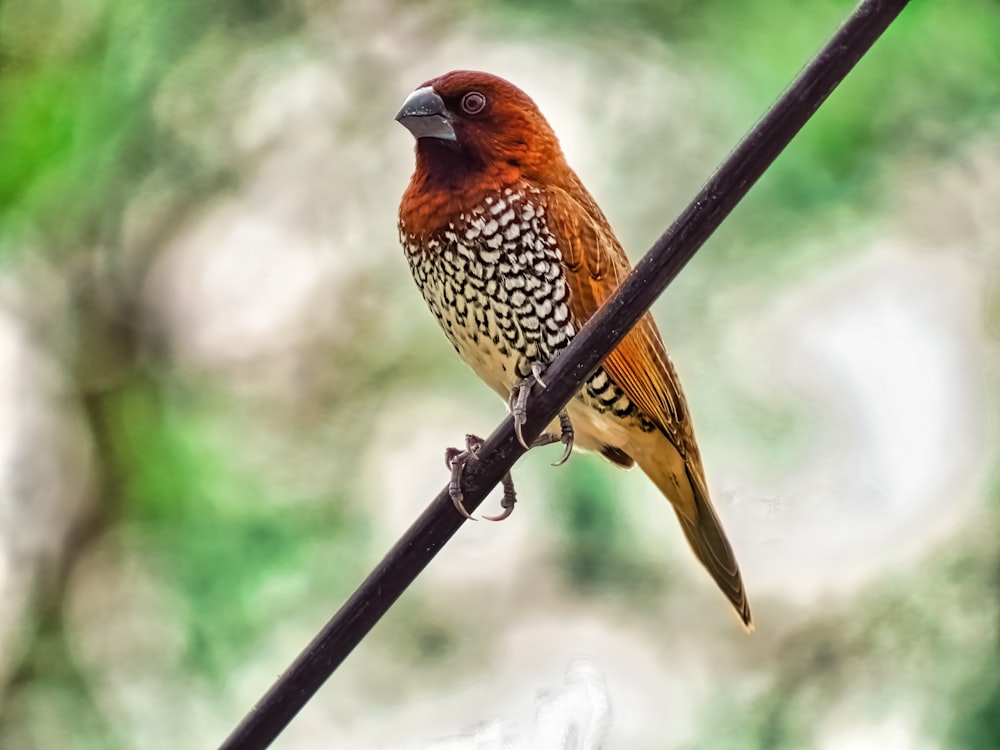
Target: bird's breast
493, 277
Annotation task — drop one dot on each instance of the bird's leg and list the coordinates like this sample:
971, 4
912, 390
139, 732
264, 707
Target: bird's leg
519, 400
456, 460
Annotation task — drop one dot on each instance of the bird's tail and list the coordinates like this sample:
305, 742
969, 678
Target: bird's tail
682, 484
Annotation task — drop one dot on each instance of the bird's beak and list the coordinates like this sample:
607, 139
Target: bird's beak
424, 114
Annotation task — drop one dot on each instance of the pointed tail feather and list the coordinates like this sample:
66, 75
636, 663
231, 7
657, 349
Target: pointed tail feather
710, 545
683, 486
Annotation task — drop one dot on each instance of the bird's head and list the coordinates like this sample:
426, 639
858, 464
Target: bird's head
473, 125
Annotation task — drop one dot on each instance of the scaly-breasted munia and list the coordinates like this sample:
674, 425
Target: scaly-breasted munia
513, 256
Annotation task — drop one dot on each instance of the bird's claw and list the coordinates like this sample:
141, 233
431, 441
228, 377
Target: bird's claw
536, 373
456, 460
519, 400
565, 437
509, 499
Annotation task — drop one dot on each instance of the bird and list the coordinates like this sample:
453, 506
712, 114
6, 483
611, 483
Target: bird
513, 255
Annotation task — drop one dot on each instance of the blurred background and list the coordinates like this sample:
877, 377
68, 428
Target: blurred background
222, 398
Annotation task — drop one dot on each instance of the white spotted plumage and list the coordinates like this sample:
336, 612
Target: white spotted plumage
497, 285
496, 288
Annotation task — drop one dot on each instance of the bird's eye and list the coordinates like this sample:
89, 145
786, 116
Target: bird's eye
473, 103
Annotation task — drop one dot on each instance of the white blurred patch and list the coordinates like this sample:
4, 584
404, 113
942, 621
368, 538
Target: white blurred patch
269, 268
882, 355
893, 733
237, 284
573, 716
619, 691
46, 475
127, 632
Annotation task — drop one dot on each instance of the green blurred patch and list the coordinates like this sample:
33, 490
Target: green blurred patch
975, 720
64, 133
76, 124
926, 84
50, 703
597, 551
673, 20
903, 649
235, 542
224, 565
417, 633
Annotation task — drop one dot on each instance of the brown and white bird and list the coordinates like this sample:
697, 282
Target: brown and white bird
513, 256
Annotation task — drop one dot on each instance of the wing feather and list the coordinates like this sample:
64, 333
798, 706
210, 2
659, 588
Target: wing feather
596, 266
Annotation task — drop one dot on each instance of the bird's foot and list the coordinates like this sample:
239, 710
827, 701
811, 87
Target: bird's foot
519, 400
456, 460
565, 437
509, 498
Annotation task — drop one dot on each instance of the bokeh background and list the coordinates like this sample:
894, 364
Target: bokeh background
221, 397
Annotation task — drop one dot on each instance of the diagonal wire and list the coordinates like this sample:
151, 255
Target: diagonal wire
678, 244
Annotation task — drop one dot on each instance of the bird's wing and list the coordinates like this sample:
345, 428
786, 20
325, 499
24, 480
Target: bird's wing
596, 265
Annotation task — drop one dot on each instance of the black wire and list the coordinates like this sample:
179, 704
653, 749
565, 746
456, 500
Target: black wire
436, 525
